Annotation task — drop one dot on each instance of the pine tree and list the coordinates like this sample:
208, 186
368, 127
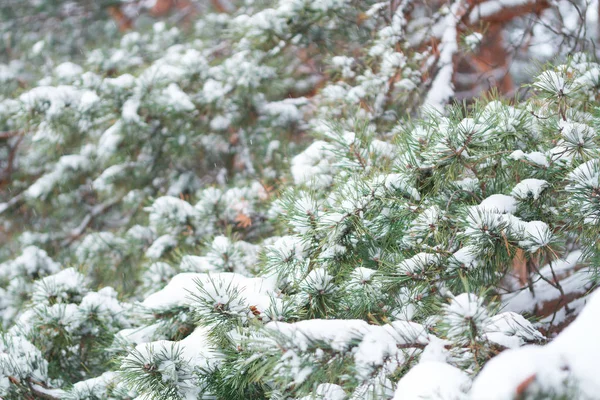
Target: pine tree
287, 201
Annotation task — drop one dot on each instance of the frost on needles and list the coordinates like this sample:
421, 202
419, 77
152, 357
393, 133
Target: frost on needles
207, 215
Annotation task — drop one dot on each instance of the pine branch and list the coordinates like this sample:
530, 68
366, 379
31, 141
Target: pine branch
96, 211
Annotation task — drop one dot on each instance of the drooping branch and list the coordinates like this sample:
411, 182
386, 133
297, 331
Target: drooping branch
87, 220
442, 87
492, 59
503, 11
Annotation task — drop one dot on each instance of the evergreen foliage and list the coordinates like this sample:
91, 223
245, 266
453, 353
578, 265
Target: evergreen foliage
284, 202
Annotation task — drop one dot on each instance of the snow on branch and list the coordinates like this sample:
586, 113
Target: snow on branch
442, 88
504, 10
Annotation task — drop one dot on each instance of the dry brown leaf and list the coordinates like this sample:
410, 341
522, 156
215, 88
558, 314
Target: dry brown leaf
520, 266
243, 221
524, 385
123, 22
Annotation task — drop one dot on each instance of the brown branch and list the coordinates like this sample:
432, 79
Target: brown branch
87, 220
9, 134
492, 58
222, 6
123, 22
505, 12
42, 394
36, 388
6, 174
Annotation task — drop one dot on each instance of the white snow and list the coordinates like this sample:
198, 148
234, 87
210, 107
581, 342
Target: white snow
576, 283
170, 210
563, 265
327, 391
433, 380
313, 166
110, 140
88, 100
129, 110
196, 264
499, 203
175, 98
161, 73
125, 81
182, 289
59, 285
32, 261
286, 111
529, 188
95, 386
417, 263
138, 335
537, 234
511, 330
465, 311
66, 166
465, 258
535, 157
183, 359
586, 175
577, 134
103, 183
51, 100
442, 88
68, 71
20, 358
488, 8
160, 246
37, 47
573, 356
400, 182
374, 346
